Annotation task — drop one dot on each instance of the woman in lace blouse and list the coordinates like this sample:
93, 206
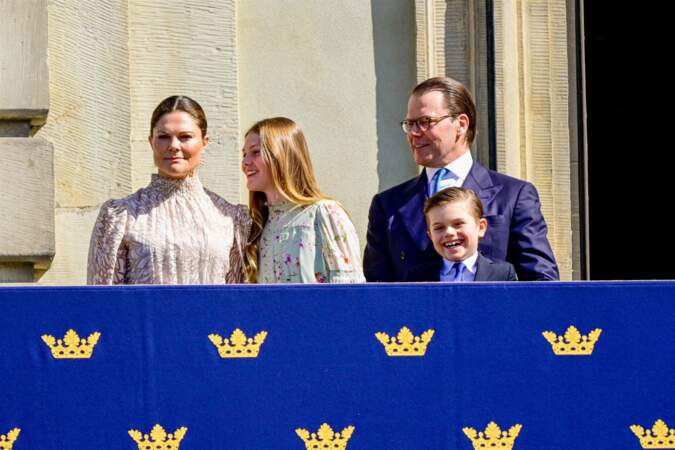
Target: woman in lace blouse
173, 231
298, 235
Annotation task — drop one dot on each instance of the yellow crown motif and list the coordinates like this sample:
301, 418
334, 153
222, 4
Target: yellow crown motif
72, 347
573, 343
660, 436
325, 438
7, 440
405, 343
238, 346
493, 436
158, 439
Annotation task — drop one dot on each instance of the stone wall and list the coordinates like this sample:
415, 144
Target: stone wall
27, 200
110, 63
341, 68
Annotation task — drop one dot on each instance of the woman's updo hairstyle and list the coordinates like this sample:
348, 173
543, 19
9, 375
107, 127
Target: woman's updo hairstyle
179, 103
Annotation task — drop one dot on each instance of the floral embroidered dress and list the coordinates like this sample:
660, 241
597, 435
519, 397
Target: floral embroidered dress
170, 232
309, 244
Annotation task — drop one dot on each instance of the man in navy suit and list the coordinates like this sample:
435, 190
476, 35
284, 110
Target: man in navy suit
440, 126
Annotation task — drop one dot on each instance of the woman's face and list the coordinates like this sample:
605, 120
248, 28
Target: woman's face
177, 144
254, 167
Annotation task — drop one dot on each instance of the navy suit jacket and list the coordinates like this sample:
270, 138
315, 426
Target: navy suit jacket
397, 238
486, 270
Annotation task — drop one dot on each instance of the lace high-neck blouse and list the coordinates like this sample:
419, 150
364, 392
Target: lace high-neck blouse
309, 244
170, 232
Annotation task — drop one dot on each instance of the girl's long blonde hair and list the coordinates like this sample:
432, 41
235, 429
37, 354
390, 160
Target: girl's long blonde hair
284, 150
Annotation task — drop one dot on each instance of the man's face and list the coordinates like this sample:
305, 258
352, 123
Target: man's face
443, 142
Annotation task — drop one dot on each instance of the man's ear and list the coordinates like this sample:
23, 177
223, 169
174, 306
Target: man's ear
463, 122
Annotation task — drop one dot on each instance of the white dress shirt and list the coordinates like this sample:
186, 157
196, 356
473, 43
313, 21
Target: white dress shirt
459, 168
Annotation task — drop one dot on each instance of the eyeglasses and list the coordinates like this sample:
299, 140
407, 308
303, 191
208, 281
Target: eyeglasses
423, 123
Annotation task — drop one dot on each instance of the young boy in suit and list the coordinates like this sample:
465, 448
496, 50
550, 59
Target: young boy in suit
455, 224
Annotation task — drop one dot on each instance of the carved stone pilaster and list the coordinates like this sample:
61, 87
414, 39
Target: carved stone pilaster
532, 98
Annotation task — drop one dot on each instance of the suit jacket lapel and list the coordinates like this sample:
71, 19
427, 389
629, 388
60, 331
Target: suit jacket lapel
480, 182
484, 270
411, 211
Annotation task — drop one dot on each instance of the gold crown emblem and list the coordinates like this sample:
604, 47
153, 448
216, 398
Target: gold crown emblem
72, 347
7, 440
158, 439
325, 438
405, 343
573, 343
660, 436
238, 346
493, 436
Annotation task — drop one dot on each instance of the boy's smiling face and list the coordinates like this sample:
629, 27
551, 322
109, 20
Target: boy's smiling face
454, 230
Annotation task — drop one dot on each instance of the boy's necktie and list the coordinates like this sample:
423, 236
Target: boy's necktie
457, 271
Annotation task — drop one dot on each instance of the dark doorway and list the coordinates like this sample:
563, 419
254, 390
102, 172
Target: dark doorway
628, 133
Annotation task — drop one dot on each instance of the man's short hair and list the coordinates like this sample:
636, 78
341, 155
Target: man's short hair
457, 97
454, 195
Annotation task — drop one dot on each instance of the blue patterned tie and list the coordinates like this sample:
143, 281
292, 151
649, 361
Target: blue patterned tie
436, 180
457, 271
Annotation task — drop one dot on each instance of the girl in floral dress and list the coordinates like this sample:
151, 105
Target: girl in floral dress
298, 235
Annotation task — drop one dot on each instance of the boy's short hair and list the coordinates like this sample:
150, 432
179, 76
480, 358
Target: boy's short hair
454, 195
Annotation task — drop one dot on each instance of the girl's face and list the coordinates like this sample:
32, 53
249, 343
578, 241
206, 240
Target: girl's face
256, 171
177, 144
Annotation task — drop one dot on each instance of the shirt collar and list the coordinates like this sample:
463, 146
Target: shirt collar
460, 167
469, 263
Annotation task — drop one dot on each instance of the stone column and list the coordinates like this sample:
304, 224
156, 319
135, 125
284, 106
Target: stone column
452, 41
532, 101
27, 200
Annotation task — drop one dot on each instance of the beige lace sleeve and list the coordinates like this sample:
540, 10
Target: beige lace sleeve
107, 253
242, 227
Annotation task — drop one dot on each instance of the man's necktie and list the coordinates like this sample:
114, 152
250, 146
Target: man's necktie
436, 180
